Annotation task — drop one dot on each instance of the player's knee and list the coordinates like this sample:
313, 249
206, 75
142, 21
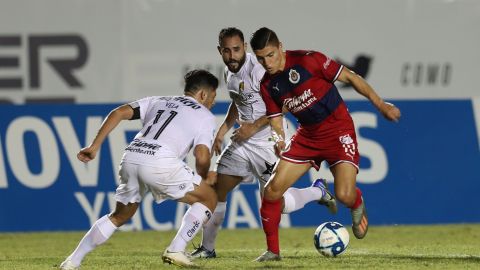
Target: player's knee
210, 198
118, 219
271, 193
346, 197
221, 194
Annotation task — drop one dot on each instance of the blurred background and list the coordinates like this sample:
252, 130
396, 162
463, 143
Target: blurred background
65, 64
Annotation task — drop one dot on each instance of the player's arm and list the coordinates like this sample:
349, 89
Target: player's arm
228, 122
388, 110
278, 134
246, 130
201, 153
123, 112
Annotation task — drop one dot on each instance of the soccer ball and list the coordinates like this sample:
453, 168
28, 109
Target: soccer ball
331, 239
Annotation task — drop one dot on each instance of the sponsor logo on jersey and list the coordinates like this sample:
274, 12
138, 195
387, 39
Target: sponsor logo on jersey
293, 76
301, 102
142, 144
141, 147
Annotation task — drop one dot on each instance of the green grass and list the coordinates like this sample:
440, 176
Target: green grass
385, 247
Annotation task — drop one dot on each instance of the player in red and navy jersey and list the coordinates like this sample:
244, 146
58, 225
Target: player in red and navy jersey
302, 82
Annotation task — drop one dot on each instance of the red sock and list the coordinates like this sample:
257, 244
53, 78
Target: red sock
359, 200
271, 214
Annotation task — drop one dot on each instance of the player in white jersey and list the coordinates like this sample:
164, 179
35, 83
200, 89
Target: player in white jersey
153, 161
250, 153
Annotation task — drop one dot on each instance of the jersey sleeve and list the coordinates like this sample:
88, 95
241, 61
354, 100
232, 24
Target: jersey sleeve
327, 67
272, 108
141, 105
206, 132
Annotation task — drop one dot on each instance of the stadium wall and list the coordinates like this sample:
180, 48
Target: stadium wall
90, 56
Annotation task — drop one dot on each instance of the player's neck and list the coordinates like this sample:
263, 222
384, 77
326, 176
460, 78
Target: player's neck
283, 61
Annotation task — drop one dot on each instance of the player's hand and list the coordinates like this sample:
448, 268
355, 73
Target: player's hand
87, 154
217, 145
390, 111
280, 147
245, 131
211, 178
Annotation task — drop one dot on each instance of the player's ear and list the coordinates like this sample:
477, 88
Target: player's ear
280, 45
245, 45
203, 94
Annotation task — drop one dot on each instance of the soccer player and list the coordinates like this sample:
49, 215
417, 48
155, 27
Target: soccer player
250, 152
302, 81
172, 126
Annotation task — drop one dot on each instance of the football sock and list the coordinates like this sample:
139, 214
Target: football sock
359, 199
192, 222
296, 198
101, 230
210, 229
271, 213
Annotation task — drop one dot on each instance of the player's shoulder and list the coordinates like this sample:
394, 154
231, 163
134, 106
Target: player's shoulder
205, 118
257, 71
145, 101
302, 54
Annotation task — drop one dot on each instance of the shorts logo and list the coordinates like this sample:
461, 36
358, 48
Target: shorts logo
182, 186
269, 168
348, 145
346, 139
293, 75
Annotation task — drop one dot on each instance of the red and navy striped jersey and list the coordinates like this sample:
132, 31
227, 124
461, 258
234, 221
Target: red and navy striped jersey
305, 87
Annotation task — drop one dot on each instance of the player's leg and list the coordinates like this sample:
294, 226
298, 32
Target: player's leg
203, 201
104, 227
225, 184
345, 174
286, 174
296, 198
99, 233
263, 160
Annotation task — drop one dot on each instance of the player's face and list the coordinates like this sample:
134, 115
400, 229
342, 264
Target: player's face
271, 58
233, 54
210, 98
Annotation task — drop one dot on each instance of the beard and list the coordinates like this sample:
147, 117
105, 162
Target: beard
235, 65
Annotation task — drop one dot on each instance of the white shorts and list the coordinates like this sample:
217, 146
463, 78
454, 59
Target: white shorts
164, 183
249, 161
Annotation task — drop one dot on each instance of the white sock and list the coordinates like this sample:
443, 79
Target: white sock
296, 198
210, 229
101, 230
192, 222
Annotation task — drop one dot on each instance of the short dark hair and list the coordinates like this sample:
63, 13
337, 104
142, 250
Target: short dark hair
263, 37
229, 32
199, 78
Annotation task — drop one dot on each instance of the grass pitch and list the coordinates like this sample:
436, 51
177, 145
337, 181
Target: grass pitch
385, 247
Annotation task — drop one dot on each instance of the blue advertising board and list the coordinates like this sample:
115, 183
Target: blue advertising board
417, 171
